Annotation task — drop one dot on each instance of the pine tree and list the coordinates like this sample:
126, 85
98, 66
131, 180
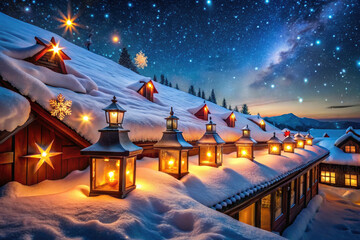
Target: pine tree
203, 95
170, 85
236, 109
125, 60
162, 79
199, 93
224, 103
177, 87
166, 82
212, 96
230, 108
155, 78
245, 109
192, 90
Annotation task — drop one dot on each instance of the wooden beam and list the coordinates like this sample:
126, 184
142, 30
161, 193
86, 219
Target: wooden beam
6, 157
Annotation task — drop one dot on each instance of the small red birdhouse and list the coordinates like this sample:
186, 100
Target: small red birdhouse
146, 88
201, 111
230, 119
51, 56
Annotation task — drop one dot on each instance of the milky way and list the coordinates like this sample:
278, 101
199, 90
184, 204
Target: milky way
276, 56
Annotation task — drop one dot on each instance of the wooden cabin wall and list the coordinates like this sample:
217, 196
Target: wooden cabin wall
340, 171
23, 143
48, 60
6, 161
202, 114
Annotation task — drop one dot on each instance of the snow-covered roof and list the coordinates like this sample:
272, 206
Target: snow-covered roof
337, 155
346, 136
138, 84
92, 82
256, 118
196, 109
274, 139
289, 139
299, 136
285, 130
14, 110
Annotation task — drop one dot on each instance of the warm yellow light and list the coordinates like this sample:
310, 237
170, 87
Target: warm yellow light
127, 172
44, 154
243, 153
288, 147
118, 163
232, 115
274, 148
300, 143
106, 159
205, 108
138, 186
115, 39
85, 118
208, 154
150, 85
69, 22
309, 141
262, 122
171, 163
55, 48
182, 162
111, 176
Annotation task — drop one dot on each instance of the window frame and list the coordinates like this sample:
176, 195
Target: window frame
350, 179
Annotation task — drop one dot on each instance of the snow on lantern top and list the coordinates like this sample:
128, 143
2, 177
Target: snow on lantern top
201, 112
146, 88
51, 56
299, 136
114, 114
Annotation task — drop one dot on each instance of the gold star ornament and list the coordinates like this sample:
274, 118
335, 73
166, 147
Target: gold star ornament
60, 107
44, 156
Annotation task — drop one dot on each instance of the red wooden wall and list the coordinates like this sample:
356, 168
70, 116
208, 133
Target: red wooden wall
23, 142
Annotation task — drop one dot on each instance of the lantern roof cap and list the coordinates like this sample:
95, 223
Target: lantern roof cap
299, 136
246, 127
243, 139
211, 122
289, 139
274, 139
114, 106
211, 138
112, 142
173, 139
308, 136
172, 116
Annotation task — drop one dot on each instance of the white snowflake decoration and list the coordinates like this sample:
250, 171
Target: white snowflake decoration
141, 60
60, 107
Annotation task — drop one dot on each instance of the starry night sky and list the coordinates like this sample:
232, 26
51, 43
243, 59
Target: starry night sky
277, 56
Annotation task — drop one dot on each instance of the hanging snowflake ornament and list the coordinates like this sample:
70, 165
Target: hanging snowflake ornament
141, 60
60, 107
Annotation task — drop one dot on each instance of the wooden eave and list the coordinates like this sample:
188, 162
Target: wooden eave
244, 202
5, 135
53, 121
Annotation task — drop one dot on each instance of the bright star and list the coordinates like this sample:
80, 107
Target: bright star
209, 2
318, 42
301, 100
44, 156
337, 48
305, 80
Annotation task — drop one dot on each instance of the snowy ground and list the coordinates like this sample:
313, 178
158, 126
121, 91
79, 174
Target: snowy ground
338, 216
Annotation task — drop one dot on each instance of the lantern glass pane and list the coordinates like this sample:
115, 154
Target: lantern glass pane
184, 161
309, 142
113, 116
130, 172
169, 161
246, 133
274, 148
207, 154
106, 174
208, 128
300, 144
288, 147
219, 155
244, 151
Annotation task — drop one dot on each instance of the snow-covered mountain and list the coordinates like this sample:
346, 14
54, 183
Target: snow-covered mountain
294, 122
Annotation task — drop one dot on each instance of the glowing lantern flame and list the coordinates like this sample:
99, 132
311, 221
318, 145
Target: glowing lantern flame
127, 172
300, 143
309, 141
274, 148
171, 163
208, 154
243, 153
288, 147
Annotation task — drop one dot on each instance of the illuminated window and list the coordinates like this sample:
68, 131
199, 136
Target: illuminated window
266, 213
247, 215
278, 203
292, 193
301, 186
350, 149
351, 180
328, 177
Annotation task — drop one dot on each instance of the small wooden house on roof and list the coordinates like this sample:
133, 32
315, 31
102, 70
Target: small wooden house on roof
326, 135
229, 119
258, 121
351, 130
349, 143
146, 88
50, 56
201, 112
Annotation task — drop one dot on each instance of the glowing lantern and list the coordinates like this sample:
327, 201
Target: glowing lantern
113, 158
300, 140
289, 144
114, 114
210, 147
274, 145
245, 144
309, 139
173, 149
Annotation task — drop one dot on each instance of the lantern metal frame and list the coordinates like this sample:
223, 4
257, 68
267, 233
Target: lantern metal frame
289, 142
173, 140
211, 139
274, 142
299, 139
308, 138
114, 107
245, 143
114, 144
